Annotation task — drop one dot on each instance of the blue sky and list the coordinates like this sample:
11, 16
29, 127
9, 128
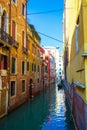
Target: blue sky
48, 23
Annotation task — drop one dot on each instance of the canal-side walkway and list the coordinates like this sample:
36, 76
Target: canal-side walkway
48, 111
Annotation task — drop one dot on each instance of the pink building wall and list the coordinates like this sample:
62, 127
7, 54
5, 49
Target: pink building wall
77, 106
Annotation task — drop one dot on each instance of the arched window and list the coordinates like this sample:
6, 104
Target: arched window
0, 10
4, 22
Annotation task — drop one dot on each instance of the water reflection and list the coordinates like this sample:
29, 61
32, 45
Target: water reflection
47, 111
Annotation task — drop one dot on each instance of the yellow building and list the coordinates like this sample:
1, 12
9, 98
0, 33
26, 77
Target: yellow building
34, 59
75, 47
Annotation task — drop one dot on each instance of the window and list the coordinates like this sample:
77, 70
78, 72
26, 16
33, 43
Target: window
32, 67
28, 44
23, 38
38, 80
27, 66
46, 69
13, 65
0, 9
3, 62
33, 48
14, 1
13, 30
77, 42
77, 48
23, 9
38, 68
23, 85
4, 22
59, 73
38, 53
32, 34
13, 86
23, 67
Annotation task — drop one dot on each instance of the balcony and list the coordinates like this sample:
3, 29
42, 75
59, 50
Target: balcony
6, 40
25, 50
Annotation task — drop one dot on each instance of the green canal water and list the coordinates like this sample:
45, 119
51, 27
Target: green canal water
48, 111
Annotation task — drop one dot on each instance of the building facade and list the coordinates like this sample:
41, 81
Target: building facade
75, 59
19, 56
34, 59
51, 54
44, 69
54, 51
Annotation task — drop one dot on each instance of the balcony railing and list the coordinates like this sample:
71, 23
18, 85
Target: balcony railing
7, 39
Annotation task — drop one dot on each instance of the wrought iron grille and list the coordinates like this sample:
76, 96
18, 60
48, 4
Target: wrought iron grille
7, 38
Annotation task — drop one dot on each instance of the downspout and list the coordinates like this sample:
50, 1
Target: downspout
65, 64
9, 56
27, 51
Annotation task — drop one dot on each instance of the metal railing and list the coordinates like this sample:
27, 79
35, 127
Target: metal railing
8, 39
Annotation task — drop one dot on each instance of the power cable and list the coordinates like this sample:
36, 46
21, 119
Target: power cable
51, 11
50, 37
45, 12
43, 34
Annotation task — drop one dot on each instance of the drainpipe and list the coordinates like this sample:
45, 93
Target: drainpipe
9, 56
65, 64
27, 50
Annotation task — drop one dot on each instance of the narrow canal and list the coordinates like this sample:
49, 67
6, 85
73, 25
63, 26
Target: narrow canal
47, 111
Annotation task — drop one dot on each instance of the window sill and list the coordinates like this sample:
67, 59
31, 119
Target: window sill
23, 92
80, 85
12, 97
13, 74
84, 55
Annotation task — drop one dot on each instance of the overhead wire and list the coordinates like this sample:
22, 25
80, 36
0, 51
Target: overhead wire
51, 11
50, 37
44, 34
46, 12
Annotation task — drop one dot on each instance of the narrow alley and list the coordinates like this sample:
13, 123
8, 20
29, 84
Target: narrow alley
47, 111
